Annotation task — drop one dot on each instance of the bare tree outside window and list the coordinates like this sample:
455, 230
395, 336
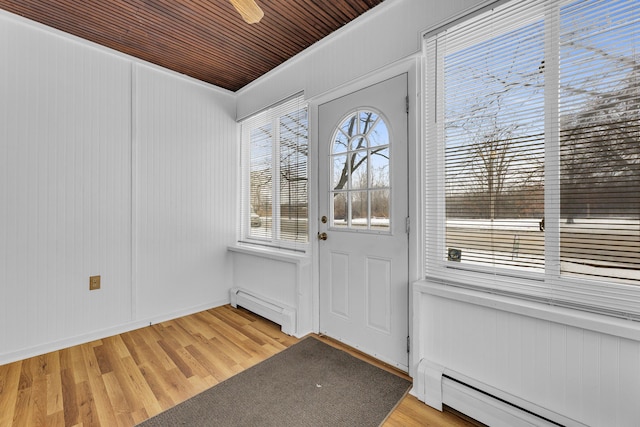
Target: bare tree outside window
278, 177
360, 172
600, 146
494, 149
294, 152
497, 121
494, 132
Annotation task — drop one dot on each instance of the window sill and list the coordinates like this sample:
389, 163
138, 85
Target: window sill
580, 319
282, 255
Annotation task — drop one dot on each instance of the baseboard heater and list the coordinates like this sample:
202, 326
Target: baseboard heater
279, 313
437, 388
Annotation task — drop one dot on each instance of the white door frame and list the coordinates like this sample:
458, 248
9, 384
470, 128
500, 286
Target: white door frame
413, 68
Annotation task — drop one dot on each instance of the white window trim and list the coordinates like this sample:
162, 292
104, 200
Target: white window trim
592, 295
271, 116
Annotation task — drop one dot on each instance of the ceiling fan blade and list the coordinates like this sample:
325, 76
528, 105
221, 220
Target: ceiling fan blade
249, 10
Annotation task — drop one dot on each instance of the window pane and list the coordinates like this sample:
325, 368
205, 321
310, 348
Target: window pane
364, 167
600, 134
367, 121
293, 176
359, 170
350, 126
358, 143
260, 181
379, 135
340, 210
494, 150
359, 209
341, 143
340, 173
380, 168
275, 184
380, 210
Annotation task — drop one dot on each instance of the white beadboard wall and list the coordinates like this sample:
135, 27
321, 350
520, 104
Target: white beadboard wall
389, 33
109, 167
284, 278
187, 160
65, 190
539, 354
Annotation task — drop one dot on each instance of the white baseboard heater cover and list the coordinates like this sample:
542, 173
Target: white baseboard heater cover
279, 313
437, 387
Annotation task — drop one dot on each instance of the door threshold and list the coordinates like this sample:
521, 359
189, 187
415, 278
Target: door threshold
363, 356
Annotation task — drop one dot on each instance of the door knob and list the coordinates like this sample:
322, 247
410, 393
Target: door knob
322, 236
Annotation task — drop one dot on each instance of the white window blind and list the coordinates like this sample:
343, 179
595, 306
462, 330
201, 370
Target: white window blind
275, 176
494, 141
533, 152
599, 114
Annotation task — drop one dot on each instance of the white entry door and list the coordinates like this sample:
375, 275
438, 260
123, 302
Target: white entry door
363, 202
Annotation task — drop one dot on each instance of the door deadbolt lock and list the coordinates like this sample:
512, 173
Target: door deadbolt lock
323, 219
322, 236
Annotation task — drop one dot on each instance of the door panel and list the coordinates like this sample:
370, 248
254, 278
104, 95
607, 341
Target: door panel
378, 288
339, 284
363, 192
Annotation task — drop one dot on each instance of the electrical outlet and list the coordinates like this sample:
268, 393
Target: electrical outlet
94, 283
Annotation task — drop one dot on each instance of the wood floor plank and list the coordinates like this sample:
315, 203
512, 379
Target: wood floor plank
196, 368
140, 387
38, 415
129, 384
56, 419
151, 339
116, 395
87, 411
9, 382
176, 385
157, 388
64, 356
273, 331
100, 354
177, 334
78, 366
231, 348
54, 393
132, 342
69, 400
171, 351
103, 404
139, 416
125, 379
219, 368
26, 378
118, 346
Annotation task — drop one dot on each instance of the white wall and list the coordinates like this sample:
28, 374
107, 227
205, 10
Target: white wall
284, 278
571, 367
186, 164
107, 167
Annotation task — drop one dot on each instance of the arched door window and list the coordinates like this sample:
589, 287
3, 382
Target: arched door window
360, 178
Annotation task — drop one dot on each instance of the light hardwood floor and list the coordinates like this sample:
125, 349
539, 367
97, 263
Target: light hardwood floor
125, 379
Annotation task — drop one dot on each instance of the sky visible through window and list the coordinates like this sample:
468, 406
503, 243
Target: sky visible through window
360, 172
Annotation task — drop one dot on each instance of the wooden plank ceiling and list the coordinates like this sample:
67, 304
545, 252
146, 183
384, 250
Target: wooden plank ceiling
204, 39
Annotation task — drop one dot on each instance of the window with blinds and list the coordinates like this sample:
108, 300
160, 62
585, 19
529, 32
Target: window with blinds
599, 122
275, 177
535, 173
